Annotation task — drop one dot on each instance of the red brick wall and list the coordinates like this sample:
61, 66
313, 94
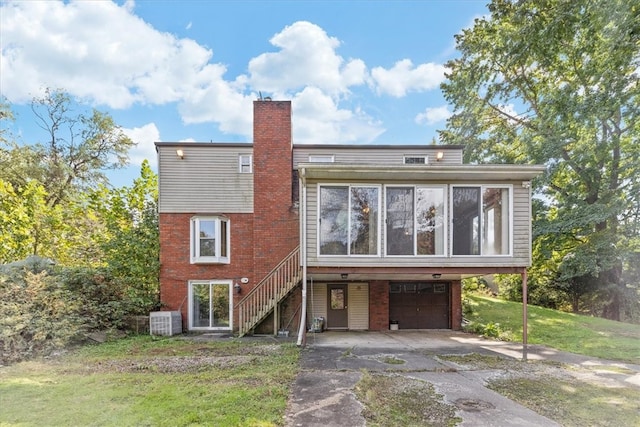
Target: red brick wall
378, 305
175, 267
276, 228
456, 305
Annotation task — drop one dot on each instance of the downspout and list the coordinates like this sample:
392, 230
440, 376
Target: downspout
524, 315
303, 258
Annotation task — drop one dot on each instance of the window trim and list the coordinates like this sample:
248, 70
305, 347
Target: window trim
241, 163
378, 227
194, 246
446, 220
482, 188
190, 284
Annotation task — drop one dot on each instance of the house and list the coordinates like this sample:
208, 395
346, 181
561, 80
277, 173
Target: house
256, 236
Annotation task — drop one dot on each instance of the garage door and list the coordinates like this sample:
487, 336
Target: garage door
419, 305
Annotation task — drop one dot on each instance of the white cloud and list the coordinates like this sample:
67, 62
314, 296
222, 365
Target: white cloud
144, 138
103, 54
403, 77
432, 116
307, 57
319, 120
97, 51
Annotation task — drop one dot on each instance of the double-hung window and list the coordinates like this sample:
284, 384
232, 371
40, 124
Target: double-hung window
349, 220
415, 220
210, 240
481, 220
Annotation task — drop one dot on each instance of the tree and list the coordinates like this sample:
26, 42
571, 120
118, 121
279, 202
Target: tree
78, 149
132, 247
556, 82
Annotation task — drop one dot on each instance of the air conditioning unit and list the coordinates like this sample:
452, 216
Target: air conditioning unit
165, 323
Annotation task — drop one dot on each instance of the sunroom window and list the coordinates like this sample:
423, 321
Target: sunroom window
481, 220
415, 221
210, 240
349, 220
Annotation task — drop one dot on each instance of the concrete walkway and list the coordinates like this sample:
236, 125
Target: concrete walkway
332, 364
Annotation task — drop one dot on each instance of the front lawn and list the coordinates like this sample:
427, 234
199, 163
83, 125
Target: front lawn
153, 381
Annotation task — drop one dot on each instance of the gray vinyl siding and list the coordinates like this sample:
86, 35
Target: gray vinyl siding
205, 180
521, 239
373, 155
317, 301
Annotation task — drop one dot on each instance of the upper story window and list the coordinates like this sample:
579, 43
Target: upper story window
321, 159
481, 220
210, 240
245, 163
415, 220
349, 220
415, 160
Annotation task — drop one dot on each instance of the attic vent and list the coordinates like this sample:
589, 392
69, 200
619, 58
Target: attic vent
165, 323
321, 159
415, 160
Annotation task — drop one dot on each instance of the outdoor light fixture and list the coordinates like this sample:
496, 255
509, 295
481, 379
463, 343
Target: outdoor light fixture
180, 153
436, 276
237, 289
344, 276
439, 155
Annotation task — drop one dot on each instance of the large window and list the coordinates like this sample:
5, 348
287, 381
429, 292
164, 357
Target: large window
415, 220
210, 305
210, 240
481, 220
348, 220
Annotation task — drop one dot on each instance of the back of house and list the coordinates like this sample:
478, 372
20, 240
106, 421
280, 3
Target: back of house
255, 236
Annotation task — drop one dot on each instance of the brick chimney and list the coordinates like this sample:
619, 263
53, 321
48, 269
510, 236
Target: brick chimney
275, 226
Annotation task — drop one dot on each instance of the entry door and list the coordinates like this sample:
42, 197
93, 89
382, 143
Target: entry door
337, 314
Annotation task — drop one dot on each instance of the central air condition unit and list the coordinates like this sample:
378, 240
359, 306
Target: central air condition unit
166, 323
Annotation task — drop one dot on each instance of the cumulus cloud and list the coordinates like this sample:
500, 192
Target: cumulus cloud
104, 54
318, 119
432, 116
403, 77
144, 138
307, 57
97, 51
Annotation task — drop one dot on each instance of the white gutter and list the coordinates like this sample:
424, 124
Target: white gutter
303, 258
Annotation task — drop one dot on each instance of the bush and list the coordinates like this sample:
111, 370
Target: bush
37, 315
104, 304
489, 330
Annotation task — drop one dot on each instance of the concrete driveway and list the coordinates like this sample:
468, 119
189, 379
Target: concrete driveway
332, 364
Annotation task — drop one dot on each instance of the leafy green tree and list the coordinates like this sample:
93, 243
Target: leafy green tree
79, 148
132, 251
556, 82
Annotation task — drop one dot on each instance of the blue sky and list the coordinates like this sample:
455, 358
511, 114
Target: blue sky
357, 72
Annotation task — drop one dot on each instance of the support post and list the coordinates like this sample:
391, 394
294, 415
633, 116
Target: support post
276, 319
524, 315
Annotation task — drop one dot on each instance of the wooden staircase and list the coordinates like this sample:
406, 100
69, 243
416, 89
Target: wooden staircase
266, 295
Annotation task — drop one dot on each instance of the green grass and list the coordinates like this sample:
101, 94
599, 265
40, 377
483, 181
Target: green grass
574, 403
147, 381
590, 336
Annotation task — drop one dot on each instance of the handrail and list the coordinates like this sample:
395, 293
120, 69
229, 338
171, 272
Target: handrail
259, 302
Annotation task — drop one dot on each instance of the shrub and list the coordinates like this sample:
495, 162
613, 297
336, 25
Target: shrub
37, 315
489, 330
